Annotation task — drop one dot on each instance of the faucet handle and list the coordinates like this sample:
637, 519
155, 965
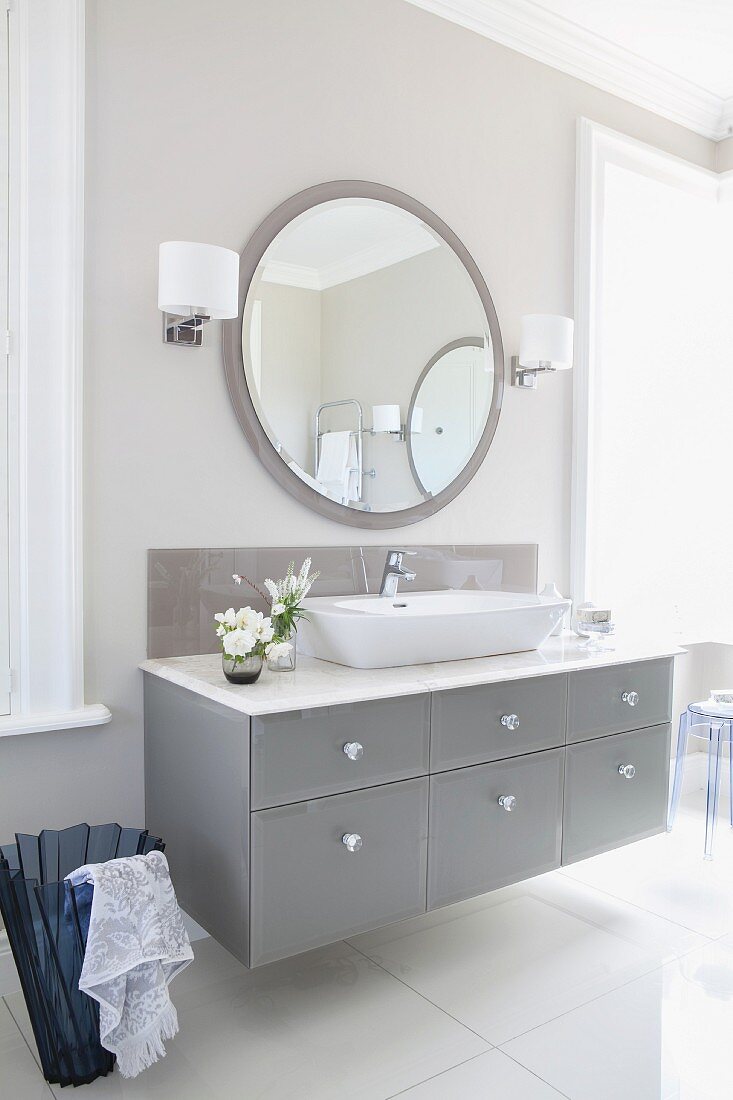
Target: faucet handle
394, 556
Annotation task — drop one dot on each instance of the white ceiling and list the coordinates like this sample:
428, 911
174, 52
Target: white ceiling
674, 57
343, 240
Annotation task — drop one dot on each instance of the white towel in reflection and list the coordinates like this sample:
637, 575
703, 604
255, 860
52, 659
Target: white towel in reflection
333, 472
306, 477
352, 474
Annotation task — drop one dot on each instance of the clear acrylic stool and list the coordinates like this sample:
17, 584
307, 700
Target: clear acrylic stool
712, 722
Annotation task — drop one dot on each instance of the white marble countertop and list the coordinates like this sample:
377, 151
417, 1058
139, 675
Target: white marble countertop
321, 684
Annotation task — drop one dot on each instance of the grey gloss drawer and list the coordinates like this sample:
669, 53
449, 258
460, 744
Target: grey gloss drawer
619, 698
302, 754
492, 721
476, 844
605, 807
308, 889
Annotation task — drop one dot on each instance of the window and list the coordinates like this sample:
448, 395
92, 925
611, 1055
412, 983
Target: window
654, 392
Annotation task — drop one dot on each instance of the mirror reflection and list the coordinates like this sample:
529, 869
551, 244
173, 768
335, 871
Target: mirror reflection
448, 412
349, 303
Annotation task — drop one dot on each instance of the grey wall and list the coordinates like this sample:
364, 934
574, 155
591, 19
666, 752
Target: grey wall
200, 119
291, 365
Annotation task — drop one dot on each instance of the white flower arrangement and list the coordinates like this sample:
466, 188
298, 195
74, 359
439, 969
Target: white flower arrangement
287, 594
246, 633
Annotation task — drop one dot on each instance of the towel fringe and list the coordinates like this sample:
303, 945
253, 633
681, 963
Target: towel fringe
138, 1054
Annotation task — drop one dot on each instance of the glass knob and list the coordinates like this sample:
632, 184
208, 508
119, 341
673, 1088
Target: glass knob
627, 771
352, 841
354, 750
508, 802
630, 697
510, 721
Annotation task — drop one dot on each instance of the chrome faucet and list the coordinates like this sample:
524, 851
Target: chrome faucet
394, 571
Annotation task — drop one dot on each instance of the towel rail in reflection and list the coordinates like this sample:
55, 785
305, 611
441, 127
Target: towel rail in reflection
358, 432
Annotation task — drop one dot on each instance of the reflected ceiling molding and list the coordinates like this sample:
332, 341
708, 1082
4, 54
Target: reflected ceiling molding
534, 31
403, 247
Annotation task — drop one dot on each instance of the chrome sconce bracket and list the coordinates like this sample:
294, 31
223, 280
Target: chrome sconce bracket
525, 378
399, 437
186, 331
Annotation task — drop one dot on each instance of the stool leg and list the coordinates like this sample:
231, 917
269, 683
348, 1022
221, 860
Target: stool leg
678, 769
730, 772
715, 746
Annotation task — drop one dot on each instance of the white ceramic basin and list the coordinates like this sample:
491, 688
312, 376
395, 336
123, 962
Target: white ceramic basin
423, 627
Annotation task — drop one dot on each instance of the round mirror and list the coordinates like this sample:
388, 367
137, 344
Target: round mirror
348, 290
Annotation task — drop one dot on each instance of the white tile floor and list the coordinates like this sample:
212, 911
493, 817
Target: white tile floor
612, 980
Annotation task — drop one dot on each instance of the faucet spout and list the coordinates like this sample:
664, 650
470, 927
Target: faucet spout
394, 572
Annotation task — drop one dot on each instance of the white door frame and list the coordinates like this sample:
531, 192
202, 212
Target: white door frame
47, 64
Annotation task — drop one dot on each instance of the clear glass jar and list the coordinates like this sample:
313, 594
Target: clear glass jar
241, 670
286, 661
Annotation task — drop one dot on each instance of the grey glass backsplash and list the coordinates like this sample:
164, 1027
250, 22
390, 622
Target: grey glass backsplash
186, 587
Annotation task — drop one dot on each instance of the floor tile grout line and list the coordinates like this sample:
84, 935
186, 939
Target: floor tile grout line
489, 1044
635, 905
568, 910
534, 1074
658, 965
576, 1008
30, 1049
441, 1073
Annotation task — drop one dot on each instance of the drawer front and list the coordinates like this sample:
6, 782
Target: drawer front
308, 889
475, 843
620, 698
478, 724
300, 754
603, 808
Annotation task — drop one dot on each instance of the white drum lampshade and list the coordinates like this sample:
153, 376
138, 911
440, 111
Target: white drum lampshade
198, 279
546, 340
386, 418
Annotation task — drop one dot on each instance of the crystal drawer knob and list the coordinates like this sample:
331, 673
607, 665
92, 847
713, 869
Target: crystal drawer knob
630, 697
508, 802
352, 841
510, 721
626, 771
354, 750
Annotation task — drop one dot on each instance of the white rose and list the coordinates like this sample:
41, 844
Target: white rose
227, 618
238, 643
278, 609
247, 618
264, 630
278, 649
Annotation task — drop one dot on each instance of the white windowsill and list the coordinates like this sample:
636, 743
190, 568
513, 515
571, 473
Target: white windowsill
95, 714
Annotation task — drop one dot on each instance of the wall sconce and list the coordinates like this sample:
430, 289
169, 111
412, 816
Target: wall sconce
387, 420
545, 344
196, 283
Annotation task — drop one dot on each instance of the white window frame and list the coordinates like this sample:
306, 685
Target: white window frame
597, 146
46, 252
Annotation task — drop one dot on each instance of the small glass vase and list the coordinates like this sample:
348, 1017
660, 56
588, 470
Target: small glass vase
286, 663
242, 670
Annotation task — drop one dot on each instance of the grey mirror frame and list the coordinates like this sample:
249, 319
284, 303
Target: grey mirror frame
234, 370
464, 342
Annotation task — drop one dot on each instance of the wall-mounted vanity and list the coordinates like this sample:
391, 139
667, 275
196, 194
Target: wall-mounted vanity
318, 804
323, 803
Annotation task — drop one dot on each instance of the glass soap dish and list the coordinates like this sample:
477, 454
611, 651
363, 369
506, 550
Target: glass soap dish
594, 636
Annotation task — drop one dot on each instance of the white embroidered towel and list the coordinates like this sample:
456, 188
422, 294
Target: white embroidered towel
135, 947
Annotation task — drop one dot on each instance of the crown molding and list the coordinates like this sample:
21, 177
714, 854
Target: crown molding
364, 262
285, 274
530, 29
